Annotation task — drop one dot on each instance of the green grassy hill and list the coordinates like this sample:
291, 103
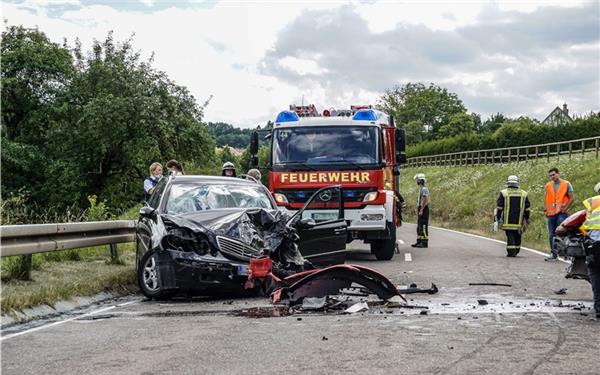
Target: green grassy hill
463, 198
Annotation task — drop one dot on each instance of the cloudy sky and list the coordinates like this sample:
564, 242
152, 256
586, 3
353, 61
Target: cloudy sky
256, 58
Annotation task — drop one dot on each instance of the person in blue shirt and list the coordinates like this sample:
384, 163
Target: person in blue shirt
156, 170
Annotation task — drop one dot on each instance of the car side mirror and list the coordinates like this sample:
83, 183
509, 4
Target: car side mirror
147, 212
306, 223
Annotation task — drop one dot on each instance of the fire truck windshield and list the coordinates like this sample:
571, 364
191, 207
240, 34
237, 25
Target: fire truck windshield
326, 145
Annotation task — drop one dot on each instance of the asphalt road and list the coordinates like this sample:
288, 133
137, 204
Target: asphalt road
524, 329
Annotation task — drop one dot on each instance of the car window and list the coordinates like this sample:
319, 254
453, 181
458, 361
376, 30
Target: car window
185, 198
154, 200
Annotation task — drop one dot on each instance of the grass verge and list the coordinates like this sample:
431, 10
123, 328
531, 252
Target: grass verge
463, 198
62, 275
54, 281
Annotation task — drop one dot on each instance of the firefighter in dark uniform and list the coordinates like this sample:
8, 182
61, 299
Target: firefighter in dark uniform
591, 229
423, 213
512, 214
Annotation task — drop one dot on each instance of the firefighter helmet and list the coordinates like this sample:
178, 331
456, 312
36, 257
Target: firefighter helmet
512, 181
420, 177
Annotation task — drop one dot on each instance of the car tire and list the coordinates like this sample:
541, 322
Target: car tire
384, 249
149, 280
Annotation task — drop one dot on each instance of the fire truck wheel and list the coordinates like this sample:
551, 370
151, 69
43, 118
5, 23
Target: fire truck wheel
384, 249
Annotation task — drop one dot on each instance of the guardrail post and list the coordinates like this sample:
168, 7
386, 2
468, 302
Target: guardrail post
597, 146
114, 253
570, 150
558, 147
548, 153
518, 155
582, 149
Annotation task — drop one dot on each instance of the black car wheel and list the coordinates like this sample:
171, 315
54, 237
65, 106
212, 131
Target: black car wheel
384, 249
149, 278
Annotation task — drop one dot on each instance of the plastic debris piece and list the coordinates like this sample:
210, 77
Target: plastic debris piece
561, 291
490, 284
314, 303
357, 307
482, 302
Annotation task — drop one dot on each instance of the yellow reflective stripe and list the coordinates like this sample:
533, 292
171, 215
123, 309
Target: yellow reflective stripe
592, 222
513, 247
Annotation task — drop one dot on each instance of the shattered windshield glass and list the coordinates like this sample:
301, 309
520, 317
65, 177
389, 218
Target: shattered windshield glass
325, 145
186, 198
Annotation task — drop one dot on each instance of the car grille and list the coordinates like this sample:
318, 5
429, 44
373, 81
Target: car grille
236, 249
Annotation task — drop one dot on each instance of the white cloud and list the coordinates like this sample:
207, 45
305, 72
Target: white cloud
222, 50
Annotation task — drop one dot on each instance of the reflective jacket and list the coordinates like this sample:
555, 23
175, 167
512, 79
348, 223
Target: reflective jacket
555, 201
513, 207
592, 205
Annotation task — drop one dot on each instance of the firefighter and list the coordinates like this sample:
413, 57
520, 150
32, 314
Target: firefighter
228, 170
591, 229
512, 214
423, 212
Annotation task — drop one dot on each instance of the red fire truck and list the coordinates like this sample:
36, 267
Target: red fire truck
359, 149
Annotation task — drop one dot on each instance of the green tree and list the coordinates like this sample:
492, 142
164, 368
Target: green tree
34, 71
431, 105
460, 123
92, 122
494, 122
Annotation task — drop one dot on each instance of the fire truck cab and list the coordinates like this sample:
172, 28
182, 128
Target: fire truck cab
358, 149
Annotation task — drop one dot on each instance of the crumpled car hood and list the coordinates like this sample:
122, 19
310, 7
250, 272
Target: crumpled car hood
262, 229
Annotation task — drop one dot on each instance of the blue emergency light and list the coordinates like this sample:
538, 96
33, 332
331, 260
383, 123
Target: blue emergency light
287, 116
365, 115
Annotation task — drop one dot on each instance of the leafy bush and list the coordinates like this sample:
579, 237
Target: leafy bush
520, 132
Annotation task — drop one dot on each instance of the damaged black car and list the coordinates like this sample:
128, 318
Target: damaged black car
197, 235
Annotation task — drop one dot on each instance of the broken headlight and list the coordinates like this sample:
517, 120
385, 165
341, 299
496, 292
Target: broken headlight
185, 240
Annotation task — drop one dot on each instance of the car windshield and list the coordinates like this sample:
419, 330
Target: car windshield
325, 145
185, 198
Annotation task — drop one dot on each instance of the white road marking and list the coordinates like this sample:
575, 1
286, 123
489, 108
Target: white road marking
67, 320
407, 257
400, 242
498, 241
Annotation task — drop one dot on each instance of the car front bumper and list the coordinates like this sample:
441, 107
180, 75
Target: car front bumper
204, 273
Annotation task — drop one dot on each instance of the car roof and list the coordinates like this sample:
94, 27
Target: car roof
211, 180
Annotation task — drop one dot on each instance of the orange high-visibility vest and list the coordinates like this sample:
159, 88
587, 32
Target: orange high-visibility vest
556, 201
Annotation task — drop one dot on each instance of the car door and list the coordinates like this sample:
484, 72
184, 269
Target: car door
147, 221
322, 227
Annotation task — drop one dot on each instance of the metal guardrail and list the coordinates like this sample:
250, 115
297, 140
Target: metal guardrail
40, 238
569, 149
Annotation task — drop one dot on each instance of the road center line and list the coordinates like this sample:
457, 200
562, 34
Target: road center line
407, 257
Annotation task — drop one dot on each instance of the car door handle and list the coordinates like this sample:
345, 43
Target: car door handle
339, 230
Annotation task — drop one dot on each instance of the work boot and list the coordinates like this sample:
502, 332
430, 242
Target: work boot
421, 245
416, 244
511, 253
551, 258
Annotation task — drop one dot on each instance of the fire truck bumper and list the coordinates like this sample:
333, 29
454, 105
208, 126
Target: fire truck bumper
370, 218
